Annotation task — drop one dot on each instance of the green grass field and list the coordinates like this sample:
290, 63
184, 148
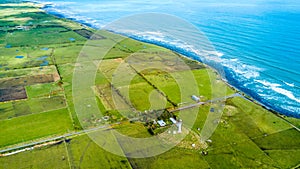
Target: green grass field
84, 153
80, 152
34, 126
175, 158
47, 157
144, 97
64, 55
43, 90
42, 36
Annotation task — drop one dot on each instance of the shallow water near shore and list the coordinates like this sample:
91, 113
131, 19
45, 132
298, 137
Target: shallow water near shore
258, 42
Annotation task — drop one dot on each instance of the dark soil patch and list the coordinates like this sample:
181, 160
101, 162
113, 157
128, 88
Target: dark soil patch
14, 93
27, 80
89, 34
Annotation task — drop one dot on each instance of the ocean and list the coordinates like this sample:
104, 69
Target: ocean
258, 41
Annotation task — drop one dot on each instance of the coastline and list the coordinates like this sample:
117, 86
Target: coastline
178, 51
246, 96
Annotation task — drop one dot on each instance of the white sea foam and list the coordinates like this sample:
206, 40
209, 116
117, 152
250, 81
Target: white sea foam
267, 84
277, 88
241, 69
153, 33
287, 93
294, 109
62, 3
263, 94
215, 53
290, 84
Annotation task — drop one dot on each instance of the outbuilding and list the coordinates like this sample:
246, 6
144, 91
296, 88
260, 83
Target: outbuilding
161, 123
195, 98
173, 120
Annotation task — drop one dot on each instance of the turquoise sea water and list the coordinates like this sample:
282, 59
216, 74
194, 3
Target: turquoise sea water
258, 41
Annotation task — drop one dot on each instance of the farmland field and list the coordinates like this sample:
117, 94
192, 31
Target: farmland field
76, 153
34, 126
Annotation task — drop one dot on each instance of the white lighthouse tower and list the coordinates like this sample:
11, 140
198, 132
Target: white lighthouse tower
179, 125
